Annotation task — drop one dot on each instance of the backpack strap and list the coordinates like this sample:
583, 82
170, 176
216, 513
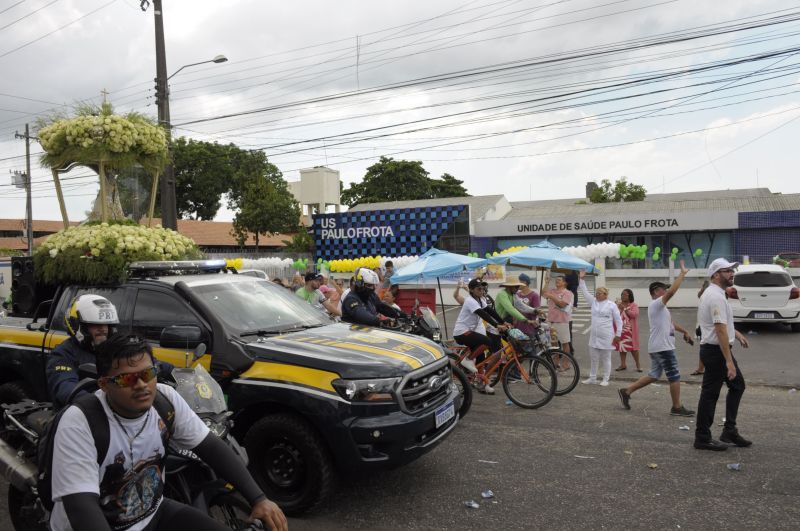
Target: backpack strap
166, 411
96, 417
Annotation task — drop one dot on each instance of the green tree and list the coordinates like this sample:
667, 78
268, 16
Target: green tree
622, 190
203, 173
264, 206
448, 186
400, 180
301, 242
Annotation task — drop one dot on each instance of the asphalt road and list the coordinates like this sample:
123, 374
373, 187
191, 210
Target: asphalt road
539, 482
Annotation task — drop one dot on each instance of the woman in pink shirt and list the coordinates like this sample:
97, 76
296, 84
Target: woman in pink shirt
629, 341
559, 310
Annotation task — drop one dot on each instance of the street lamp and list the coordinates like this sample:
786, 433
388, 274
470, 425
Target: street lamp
169, 205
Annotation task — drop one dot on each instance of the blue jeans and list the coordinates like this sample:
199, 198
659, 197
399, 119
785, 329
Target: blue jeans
664, 362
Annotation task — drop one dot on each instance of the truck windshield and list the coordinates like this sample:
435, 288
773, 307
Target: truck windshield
258, 306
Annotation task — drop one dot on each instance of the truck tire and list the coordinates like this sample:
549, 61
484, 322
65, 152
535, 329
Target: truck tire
13, 392
464, 389
795, 327
290, 462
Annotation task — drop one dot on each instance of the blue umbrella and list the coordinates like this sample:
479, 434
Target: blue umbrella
435, 263
543, 255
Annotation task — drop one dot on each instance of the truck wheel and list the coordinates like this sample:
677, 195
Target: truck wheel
290, 462
13, 392
795, 327
464, 389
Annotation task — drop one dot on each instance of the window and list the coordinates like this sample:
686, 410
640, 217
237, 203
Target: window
762, 279
117, 297
156, 310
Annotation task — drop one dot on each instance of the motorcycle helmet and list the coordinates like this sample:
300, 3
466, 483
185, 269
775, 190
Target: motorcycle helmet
89, 309
366, 280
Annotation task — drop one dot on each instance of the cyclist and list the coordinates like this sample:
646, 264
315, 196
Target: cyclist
125, 491
362, 305
470, 331
90, 320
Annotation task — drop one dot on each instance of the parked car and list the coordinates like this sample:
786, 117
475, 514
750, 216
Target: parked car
765, 293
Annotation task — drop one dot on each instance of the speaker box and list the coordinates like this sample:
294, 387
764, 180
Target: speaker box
25, 293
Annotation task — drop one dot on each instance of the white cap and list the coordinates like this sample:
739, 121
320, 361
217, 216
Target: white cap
720, 263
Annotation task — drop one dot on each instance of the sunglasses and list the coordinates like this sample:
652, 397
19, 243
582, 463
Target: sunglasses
129, 379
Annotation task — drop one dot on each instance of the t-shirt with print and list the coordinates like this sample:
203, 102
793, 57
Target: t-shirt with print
313, 297
662, 331
468, 320
557, 314
129, 483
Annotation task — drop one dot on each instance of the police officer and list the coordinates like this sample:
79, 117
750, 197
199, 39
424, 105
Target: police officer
362, 305
90, 320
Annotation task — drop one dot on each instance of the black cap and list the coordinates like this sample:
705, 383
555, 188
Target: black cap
474, 283
313, 276
655, 285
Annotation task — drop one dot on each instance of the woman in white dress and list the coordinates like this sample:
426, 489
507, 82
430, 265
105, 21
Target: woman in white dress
605, 330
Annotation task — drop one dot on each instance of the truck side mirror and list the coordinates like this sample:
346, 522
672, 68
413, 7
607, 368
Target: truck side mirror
181, 336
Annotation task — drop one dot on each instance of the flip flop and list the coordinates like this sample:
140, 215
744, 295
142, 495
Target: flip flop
697, 373
639, 370
621, 369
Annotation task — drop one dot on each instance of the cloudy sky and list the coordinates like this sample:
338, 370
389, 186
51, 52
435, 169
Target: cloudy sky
529, 98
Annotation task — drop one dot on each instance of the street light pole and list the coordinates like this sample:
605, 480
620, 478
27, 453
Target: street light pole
169, 206
169, 203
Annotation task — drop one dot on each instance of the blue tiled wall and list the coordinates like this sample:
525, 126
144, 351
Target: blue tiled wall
764, 234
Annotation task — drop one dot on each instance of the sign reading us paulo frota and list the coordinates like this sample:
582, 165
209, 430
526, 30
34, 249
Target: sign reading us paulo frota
391, 232
640, 222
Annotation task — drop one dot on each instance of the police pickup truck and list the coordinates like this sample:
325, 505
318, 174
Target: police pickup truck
309, 396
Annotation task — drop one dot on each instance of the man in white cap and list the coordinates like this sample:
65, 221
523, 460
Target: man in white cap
716, 344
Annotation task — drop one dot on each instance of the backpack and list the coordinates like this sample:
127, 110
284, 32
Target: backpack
101, 433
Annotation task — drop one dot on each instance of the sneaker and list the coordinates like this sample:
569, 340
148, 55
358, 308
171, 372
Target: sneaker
711, 444
681, 412
469, 365
590, 381
489, 389
604, 383
625, 398
733, 437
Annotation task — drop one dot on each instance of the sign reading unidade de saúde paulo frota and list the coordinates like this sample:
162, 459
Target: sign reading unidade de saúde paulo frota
331, 232
622, 223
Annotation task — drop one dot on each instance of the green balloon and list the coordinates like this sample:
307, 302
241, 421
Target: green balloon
698, 252
674, 250
656, 250
656, 257
488, 255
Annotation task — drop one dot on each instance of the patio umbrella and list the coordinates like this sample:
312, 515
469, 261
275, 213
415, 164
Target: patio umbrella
543, 255
433, 264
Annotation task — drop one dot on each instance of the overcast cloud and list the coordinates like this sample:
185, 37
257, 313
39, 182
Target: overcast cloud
283, 52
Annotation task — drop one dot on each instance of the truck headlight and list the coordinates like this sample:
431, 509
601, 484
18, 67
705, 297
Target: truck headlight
378, 390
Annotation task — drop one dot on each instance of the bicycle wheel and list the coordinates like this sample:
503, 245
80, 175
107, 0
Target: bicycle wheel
464, 389
568, 372
529, 381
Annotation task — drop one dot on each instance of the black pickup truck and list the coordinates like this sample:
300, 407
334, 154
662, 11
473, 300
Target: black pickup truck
310, 396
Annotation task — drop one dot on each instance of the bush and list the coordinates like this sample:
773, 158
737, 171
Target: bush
100, 254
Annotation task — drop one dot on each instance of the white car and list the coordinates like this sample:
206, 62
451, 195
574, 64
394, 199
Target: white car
765, 293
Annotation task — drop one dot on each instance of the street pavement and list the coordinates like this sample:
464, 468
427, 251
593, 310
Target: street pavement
583, 462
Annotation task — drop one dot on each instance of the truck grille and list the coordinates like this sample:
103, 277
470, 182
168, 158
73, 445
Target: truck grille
425, 388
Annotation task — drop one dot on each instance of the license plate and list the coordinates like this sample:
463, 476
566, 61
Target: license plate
445, 413
761, 315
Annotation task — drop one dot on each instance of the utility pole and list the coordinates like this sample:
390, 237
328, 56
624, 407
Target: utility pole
169, 207
28, 204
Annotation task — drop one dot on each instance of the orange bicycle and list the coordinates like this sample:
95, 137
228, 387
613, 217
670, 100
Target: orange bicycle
529, 380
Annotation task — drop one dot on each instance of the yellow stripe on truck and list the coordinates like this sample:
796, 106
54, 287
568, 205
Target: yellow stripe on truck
413, 362
19, 336
264, 370
434, 351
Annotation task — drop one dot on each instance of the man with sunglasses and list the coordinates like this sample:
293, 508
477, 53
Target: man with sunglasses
716, 352
125, 490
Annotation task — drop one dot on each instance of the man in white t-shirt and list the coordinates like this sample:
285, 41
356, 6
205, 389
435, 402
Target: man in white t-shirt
716, 352
125, 490
661, 346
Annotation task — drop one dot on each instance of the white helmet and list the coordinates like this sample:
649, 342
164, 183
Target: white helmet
366, 276
89, 309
